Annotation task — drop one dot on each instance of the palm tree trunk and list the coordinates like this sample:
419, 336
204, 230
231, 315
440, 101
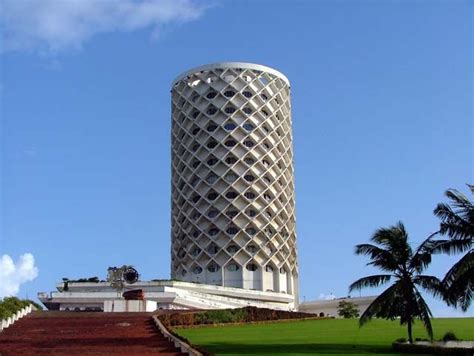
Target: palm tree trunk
410, 336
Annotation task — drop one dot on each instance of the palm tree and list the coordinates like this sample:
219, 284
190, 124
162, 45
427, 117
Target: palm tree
392, 253
457, 221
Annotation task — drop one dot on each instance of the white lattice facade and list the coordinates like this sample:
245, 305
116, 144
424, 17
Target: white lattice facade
233, 209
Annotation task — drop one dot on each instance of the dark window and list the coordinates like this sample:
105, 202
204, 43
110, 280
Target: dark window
213, 231
195, 234
251, 248
212, 161
249, 160
230, 143
264, 112
247, 94
231, 195
232, 230
212, 144
212, 196
229, 93
232, 249
196, 198
249, 195
251, 213
250, 231
211, 111
195, 164
195, 114
195, 148
249, 143
211, 128
264, 97
267, 197
211, 178
248, 127
211, 95
252, 267
229, 110
196, 130
230, 160
232, 213
249, 178
230, 126
248, 111
197, 270
213, 249
213, 267
212, 213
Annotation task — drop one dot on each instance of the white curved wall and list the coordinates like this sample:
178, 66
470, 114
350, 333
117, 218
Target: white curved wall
233, 211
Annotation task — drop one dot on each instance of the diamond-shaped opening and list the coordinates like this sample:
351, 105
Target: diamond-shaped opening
212, 249
230, 143
212, 195
230, 160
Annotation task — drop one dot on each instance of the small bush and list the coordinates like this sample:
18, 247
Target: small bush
449, 336
401, 340
10, 305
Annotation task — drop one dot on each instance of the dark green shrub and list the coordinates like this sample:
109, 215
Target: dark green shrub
10, 305
449, 336
221, 316
402, 339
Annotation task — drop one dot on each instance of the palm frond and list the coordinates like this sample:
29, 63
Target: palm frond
370, 282
422, 256
459, 282
385, 305
452, 246
431, 284
395, 241
379, 257
457, 218
424, 313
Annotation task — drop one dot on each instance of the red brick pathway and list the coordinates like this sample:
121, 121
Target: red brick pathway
70, 333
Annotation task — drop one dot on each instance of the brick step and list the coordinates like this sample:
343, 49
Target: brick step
70, 333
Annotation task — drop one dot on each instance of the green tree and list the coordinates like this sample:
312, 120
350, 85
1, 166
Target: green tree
457, 222
392, 254
347, 310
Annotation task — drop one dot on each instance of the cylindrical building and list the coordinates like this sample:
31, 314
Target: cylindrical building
233, 208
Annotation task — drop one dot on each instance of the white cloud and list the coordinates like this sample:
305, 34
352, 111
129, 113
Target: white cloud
12, 274
56, 25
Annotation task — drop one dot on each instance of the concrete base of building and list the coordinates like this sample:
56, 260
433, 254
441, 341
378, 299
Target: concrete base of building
129, 306
90, 296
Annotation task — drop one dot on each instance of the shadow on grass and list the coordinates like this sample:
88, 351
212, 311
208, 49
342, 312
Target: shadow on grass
242, 349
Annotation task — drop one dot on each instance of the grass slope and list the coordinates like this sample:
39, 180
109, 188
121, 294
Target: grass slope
317, 337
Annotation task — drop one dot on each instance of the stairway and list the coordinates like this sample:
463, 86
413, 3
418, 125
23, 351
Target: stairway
85, 333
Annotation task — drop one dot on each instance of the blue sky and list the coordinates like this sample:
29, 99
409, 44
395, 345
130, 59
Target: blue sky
382, 111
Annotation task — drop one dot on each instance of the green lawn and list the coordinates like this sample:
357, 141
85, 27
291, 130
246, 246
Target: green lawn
317, 337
